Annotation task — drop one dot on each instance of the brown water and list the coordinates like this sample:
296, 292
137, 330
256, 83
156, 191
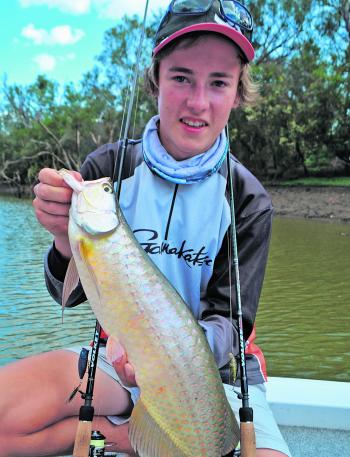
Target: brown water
303, 322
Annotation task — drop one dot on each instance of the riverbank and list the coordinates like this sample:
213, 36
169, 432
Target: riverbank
311, 202
331, 203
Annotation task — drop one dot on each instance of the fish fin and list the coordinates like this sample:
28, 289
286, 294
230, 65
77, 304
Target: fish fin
70, 282
232, 433
147, 438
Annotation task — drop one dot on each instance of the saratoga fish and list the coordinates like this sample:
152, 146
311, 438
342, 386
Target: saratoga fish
182, 410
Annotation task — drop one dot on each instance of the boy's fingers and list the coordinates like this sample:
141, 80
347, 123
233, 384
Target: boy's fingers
130, 375
53, 178
115, 352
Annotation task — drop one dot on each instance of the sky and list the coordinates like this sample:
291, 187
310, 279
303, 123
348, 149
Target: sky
58, 38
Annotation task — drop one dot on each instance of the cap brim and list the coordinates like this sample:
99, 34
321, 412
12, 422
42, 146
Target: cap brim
237, 37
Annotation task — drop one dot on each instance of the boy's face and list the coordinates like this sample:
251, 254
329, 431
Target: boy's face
197, 90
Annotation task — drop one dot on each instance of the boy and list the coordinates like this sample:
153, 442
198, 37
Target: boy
174, 191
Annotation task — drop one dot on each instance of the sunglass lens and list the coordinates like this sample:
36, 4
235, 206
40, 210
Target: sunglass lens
190, 6
237, 13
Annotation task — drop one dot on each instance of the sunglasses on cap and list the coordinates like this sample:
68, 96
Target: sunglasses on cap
232, 12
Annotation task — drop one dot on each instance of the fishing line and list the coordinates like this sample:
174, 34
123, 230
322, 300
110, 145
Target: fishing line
123, 115
135, 111
123, 145
126, 100
229, 258
122, 123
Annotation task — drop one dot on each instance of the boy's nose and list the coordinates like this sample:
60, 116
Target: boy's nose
198, 99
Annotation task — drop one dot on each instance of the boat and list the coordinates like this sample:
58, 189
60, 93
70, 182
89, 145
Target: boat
313, 415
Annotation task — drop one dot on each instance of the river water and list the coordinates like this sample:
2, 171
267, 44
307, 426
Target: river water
303, 323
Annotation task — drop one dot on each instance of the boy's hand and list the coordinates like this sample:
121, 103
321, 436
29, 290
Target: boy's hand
51, 205
117, 356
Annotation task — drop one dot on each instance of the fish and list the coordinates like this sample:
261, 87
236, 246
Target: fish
182, 410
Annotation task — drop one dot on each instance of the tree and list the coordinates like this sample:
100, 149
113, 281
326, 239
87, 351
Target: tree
300, 125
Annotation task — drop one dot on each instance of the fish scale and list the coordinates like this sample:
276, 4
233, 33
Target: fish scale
182, 410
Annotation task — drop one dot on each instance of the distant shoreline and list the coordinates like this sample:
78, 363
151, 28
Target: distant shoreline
6, 189
331, 203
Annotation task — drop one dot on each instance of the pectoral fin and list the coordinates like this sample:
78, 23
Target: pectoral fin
70, 282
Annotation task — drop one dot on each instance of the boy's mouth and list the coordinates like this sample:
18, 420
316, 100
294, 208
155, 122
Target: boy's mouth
194, 123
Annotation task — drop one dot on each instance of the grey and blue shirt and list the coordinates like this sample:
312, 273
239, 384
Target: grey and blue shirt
183, 225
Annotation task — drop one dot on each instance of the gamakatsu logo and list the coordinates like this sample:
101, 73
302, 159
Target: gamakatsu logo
152, 246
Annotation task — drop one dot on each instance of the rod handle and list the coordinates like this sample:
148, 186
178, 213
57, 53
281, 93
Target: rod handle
83, 434
247, 438
82, 439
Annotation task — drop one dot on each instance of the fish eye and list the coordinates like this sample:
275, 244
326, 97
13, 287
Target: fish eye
107, 188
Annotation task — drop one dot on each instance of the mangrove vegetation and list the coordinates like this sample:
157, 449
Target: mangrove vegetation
299, 128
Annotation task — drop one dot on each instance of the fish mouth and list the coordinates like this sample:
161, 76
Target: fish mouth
71, 181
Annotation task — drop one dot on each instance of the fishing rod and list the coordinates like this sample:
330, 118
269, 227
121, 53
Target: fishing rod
247, 433
124, 141
86, 413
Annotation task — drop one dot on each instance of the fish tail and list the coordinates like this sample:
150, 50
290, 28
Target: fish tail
147, 438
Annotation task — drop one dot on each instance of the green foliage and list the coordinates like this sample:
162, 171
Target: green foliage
302, 121
317, 182
300, 125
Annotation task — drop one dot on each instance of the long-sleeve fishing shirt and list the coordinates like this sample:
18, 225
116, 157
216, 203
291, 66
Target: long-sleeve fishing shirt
184, 228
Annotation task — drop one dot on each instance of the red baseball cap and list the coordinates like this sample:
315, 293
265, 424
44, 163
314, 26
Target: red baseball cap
226, 17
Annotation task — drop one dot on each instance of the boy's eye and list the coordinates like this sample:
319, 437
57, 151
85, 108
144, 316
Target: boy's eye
180, 78
219, 83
